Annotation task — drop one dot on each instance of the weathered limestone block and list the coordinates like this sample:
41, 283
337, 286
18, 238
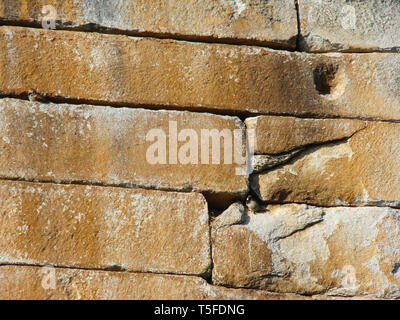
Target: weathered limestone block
336, 251
95, 144
103, 227
349, 25
361, 171
282, 134
269, 22
240, 258
34, 283
126, 71
235, 214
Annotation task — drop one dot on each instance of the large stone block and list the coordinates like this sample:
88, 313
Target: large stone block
363, 170
349, 25
282, 134
126, 71
38, 283
268, 22
309, 250
103, 145
103, 227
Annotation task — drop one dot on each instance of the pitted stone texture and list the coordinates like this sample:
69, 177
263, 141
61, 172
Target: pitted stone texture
126, 71
335, 251
103, 227
350, 25
36, 283
245, 255
362, 171
240, 258
282, 134
270, 22
235, 214
95, 144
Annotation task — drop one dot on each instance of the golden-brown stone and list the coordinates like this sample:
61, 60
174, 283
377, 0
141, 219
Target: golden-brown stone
103, 145
23, 282
270, 22
337, 251
121, 70
349, 25
281, 134
103, 227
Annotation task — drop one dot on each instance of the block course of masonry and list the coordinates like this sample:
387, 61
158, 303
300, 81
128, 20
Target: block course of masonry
78, 194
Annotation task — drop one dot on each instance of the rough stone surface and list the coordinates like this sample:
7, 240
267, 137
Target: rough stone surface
350, 25
269, 22
121, 70
361, 171
103, 227
281, 134
95, 144
240, 258
233, 215
335, 251
33, 283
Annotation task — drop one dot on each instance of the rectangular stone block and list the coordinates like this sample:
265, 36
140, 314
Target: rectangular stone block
38, 283
268, 22
363, 170
103, 227
126, 71
120, 146
349, 25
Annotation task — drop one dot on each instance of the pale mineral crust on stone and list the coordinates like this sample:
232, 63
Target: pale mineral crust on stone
309, 250
126, 71
358, 172
349, 25
103, 227
268, 22
112, 146
240, 258
36, 283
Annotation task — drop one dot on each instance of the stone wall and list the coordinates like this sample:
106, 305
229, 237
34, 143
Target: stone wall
218, 149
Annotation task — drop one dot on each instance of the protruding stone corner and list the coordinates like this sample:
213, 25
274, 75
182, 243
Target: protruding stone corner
340, 174
235, 214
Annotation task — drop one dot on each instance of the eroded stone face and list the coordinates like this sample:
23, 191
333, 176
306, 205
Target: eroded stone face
361, 171
344, 25
270, 22
94, 144
32, 283
311, 250
240, 258
103, 227
120, 70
